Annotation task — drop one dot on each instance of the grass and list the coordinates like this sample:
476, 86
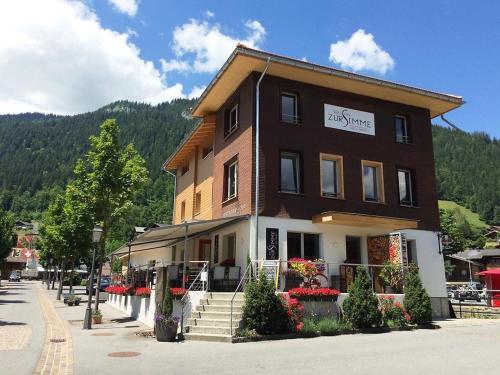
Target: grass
470, 216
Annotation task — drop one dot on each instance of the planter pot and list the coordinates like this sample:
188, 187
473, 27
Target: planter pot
77, 303
390, 290
70, 303
165, 333
97, 319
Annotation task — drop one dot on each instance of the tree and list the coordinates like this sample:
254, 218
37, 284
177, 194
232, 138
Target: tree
464, 236
361, 307
416, 301
110, 176
6, 234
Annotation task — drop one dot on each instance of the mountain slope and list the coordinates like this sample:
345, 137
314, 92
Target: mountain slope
38, 152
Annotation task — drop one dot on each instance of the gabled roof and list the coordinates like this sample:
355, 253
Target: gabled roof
245, 60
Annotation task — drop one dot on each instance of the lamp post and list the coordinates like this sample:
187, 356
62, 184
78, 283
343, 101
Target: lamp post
96, 238
61, 278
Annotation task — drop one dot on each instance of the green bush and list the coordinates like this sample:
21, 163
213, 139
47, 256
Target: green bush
308, 328
417, 301
393, 313
361, 307
263, 310
77, 279
328, 326
167, 303
83, 282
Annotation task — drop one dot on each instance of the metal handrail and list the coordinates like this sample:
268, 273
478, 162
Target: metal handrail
249, 266
186, 294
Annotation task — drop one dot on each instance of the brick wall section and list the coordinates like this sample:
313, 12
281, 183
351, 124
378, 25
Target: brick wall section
237, 144
312, 137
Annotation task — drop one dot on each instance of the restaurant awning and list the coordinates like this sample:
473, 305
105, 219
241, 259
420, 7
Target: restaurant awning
167, 235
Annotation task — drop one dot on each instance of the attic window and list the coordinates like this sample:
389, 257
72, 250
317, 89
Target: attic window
232, 120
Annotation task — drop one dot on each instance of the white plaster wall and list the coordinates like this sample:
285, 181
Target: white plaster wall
142, 258
332, 238
242, 230
430, 262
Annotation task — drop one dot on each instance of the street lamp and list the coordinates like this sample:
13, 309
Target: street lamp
96, 238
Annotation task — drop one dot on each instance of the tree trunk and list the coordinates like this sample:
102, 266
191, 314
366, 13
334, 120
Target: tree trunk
71, 277
98, 285
54, 275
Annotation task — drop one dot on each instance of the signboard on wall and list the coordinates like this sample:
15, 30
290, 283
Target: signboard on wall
272, 243
349, 120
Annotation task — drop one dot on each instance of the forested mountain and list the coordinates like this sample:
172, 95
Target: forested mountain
468, 170
38, 153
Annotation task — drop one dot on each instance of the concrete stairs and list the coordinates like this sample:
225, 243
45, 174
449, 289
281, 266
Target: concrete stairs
211, 320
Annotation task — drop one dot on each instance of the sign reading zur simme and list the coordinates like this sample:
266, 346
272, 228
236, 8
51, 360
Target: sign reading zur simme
349, 119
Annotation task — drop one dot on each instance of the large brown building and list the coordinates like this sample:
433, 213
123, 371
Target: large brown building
345, 171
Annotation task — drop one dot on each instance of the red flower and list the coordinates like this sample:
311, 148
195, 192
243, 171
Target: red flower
143, 292
299, 326
319, 292
177, 292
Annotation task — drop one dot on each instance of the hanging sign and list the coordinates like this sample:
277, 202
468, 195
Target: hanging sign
349, 120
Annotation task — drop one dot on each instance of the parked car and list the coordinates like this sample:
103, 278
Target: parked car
468, 292
15, 276
105, 282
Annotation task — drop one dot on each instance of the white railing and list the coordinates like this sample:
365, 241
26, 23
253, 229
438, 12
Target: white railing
200, 284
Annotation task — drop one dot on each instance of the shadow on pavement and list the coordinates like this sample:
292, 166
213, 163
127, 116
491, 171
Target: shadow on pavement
11, 323
6, 301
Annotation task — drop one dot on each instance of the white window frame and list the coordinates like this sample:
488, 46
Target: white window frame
231, 128
297, 171
411, 203
228, 192
293, 119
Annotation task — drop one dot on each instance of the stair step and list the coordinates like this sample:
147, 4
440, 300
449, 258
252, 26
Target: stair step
221, 302
211, 330
216, 315
212, 322
225, 295
207, 337
218, 308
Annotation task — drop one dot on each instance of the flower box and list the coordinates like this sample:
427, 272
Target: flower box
318, 294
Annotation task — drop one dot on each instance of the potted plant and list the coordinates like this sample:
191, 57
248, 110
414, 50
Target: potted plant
165, 323
96, 317
392, 276
71, 301
77, 301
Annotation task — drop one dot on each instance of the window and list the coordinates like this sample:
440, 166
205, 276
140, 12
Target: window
229, 246
303, 245
406, 187
174, 251
183, 210
331, 176
373, 187
231, 180
197, 203
289, 108
206, 151
232, 120
401, 130
290, 172
185, 169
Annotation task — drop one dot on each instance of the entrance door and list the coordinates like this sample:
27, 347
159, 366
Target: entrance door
353, 249
204, 250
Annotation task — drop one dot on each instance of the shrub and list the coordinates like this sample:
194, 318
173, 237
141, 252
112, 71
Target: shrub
329, 326
295, 312
393, 313
83, 282
167, 304
308, 328
361, 307
263, 310
417, 301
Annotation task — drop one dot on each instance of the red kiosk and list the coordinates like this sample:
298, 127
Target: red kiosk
492, 280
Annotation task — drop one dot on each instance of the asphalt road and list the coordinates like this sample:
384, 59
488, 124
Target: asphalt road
22, 328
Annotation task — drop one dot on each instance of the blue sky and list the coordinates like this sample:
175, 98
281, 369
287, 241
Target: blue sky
446, 46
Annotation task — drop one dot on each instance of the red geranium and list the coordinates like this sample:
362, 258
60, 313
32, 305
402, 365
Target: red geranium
143, 292
319, 292
177, 292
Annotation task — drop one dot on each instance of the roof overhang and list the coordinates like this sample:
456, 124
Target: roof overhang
168, 235
352, 219
244, 61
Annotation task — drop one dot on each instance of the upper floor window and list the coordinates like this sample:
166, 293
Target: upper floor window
232, 120
302, 245
401, 129
373, 185
207, 151
183, 210
406, 187
231, 180
331, 176
197, 203
290, 172
185, 169
289, 108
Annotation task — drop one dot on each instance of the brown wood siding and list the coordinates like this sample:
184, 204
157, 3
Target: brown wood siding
311, 138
